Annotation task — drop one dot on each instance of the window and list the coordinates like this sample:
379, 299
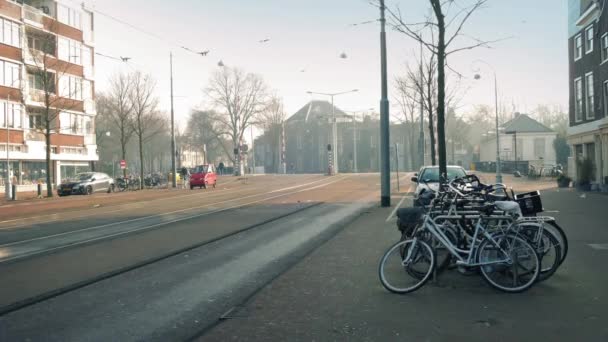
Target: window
73, 123
578, 100
578, 47
539, 148
70, 50
73, 150
605, 47
589, 39
14, 111
43, 44
35, 121
10, 74
70, 87
69, 16
590, 96
10, 33
37, 80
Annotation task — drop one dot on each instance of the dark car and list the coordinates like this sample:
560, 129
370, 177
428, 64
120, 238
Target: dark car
86, 183
202, 176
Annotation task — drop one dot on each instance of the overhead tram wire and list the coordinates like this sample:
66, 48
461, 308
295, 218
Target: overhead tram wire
146, 32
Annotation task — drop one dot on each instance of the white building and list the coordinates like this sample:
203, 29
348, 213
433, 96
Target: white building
532, 140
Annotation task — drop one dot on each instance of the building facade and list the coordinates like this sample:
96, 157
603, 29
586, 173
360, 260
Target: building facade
46, 66
522, 139
307, 133
588, 85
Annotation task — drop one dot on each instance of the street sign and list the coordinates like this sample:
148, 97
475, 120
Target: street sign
123, 164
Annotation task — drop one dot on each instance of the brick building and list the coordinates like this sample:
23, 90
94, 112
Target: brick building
55, 37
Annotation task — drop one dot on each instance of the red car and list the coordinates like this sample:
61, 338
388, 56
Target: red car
203, 176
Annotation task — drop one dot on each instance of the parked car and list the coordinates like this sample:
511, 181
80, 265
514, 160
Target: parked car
86, 183
428, 178
203, 176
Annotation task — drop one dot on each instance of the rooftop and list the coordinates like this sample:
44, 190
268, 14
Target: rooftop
313, 110
522, 123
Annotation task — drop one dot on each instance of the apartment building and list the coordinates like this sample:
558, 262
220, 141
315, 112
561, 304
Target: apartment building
46, 66
588, 84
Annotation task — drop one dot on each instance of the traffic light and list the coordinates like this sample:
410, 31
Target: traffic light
329, 147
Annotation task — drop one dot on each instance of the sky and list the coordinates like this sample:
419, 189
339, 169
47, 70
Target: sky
530, 61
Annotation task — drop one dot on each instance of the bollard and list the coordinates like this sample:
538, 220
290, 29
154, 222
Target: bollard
39, 190
14, 194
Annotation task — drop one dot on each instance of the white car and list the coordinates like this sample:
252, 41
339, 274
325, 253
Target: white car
428, 178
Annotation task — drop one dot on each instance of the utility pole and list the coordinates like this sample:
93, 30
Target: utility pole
173, 170
385, 181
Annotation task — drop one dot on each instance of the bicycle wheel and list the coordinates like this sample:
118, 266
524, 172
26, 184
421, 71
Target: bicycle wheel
561, 235
395, 271
510, 265
443, 257
547, 247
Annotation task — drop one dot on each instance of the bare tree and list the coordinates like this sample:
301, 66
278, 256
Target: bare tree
147, 121
407, 98
271, 120
56, 86
433, 33
203, 130
240, 97
121, 110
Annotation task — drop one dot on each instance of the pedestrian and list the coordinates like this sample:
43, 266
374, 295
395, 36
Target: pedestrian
185, 173
220, 168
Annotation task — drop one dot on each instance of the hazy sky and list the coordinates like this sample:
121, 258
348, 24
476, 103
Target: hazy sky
531, 65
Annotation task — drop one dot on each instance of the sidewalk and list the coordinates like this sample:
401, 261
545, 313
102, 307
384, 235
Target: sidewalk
334, 294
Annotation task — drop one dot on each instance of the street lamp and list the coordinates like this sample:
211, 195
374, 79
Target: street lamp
477, 77
334, 124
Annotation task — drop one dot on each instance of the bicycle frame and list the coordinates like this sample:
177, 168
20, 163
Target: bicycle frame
432, 227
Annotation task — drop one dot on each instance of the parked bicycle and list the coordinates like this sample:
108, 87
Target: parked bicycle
479, 228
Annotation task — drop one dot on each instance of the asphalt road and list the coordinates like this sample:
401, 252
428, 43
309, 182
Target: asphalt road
334, 294
233, 240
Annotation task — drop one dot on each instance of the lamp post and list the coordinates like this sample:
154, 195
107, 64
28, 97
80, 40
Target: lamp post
385, 169
334, 128
477, 77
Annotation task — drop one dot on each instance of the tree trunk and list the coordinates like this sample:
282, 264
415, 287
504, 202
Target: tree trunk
441, 88
431, 126
412, 143
49, 165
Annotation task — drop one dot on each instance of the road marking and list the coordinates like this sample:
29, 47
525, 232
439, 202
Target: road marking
599, 246
169, 213
399, 205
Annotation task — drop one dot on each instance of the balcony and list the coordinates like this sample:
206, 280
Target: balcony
90, 139
33, 57
89, 107
33, 16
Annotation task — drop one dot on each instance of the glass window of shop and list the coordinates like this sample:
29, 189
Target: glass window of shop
14, 168
33, 172
70, 170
